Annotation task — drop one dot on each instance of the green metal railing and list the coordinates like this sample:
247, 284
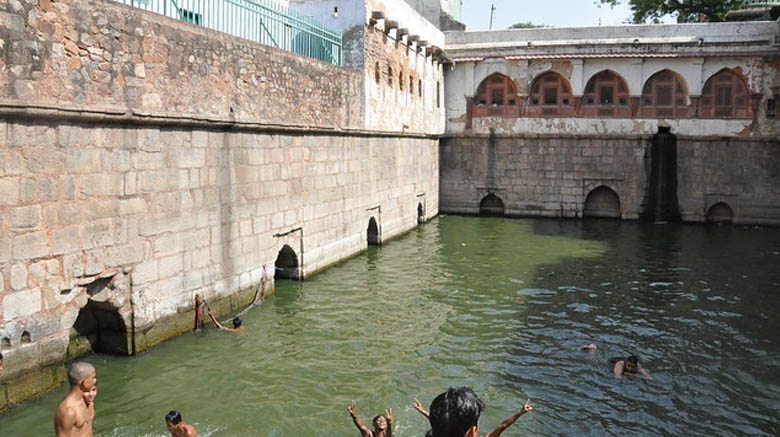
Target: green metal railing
262, 21
749, 4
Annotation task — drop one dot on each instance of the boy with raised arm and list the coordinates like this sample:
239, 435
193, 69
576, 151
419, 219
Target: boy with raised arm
455, 413
383, 423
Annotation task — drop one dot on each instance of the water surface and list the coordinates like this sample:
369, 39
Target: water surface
500, 305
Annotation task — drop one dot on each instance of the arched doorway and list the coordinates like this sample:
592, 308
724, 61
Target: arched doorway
372, 233
602, 202
491, 205
420, 214
286, 264
720, 213
99, 328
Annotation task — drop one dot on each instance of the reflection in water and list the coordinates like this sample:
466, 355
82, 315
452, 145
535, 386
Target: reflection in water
497, 304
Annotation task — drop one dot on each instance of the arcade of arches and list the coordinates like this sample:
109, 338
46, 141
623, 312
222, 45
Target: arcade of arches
725, 95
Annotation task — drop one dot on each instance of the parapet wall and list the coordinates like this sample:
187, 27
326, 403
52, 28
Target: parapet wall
97, 53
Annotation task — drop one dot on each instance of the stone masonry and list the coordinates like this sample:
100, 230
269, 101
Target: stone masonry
144, 160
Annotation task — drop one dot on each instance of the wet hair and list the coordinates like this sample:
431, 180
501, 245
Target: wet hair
633, 359
237, 322
173, 417
454, 412
1, 356
377, 417
79, 370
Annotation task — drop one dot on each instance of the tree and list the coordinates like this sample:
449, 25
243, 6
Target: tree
687, 11
528, 25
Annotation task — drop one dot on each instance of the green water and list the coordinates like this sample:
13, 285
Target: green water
496, 304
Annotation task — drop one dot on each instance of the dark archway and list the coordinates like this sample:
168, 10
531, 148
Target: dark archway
100, 324
491, 205
420, 214
720, 212
372, 234
286, 264
602, 202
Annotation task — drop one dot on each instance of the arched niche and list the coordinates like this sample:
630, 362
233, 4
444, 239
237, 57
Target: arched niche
99, 328
372, 233
602, 202
496, 97
286, 264
420, 213
550, 96
491, 205
720, 212
665, 95
725, 95
606, 95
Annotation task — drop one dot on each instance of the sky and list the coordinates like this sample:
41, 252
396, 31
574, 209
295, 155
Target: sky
555, 13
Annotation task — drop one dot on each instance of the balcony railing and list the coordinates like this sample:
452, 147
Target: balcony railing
261, 21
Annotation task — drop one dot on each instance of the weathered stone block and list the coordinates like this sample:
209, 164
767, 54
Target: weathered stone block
21, 304
36, 383
13, 162
25, 218
145, 160
83, 161
53, 350
65, 240
18, 276
44, 161
109, 184
9, 191
32, 245
69, 214
145, 272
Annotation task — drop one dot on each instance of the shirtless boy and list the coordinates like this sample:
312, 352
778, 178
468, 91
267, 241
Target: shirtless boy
383, 423
455, 413
77, 410
177, 427
236, 324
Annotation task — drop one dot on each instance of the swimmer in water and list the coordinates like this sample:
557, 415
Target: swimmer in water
621, 367
177, 427
628, 366
383, 423
236, 324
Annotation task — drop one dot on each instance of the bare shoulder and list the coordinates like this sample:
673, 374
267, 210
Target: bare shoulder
65, 418
191, 431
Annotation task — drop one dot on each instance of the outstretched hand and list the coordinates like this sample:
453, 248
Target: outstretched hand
527, 408
351, 408
418, 406
389, 415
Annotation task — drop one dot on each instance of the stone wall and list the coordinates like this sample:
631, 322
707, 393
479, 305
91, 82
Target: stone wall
551, 176
162, 213
96, 53
546, 176
145, 160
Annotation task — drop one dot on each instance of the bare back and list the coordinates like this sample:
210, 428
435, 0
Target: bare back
74, 417
183, 430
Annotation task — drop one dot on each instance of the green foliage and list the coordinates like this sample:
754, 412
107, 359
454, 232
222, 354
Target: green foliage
687, 11
528, 25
